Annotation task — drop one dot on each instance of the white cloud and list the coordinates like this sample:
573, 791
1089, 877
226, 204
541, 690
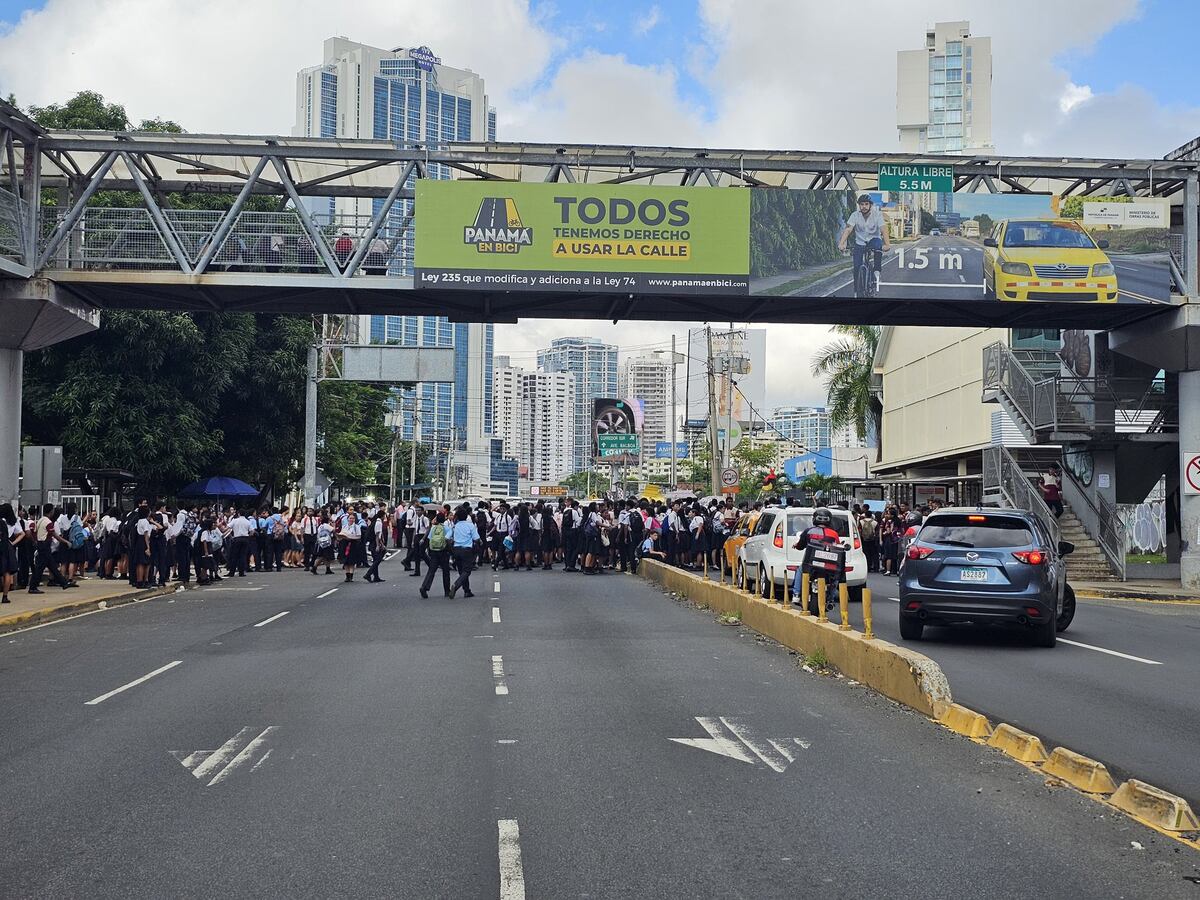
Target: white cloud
645, 23
1073, 95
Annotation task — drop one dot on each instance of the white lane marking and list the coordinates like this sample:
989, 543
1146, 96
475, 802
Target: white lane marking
512, 872
925, 284
219, 758
244, 756
1149, 662
134, 683
496, 587
272, 619
894, 599
218, 589
758, 748
716, 742
506, 741
327, 593
254, 768
388, 556
498, 674
496, 615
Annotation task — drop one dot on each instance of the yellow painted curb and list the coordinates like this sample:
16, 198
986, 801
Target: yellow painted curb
17, 621
1018, 744
903, 675
965, 721
1079, 771
1154, 806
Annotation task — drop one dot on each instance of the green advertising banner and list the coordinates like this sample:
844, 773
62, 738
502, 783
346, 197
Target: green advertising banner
499, 235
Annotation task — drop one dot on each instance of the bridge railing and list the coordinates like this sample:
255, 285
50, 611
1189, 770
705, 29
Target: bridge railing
12, 214
130, 238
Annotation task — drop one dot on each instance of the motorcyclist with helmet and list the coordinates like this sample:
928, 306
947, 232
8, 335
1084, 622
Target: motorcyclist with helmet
820, 535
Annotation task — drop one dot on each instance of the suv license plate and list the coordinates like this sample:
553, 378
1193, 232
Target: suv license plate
972, 575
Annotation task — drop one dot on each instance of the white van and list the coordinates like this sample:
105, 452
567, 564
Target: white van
771, 549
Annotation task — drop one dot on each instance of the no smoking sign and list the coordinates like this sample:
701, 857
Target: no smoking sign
1191, 473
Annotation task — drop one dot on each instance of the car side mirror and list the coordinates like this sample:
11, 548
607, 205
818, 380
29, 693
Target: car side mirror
990, 242
1103, 245
1065, 548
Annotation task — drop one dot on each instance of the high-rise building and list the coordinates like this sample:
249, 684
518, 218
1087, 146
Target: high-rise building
650, 379
944, 93
407, 96
808, 426
594, 365
847, 436
535, 418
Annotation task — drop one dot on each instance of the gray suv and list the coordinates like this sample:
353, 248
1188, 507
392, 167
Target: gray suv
986, 566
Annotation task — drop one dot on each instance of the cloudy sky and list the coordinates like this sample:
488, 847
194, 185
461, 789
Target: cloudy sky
1071, 77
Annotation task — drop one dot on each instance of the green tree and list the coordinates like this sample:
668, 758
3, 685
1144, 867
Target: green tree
847, 366
86, 111
986, 223
578, 483
753, 463
822, 485
352, 437
928, 222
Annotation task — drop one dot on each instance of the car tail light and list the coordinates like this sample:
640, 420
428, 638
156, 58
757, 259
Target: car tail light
1030, 557
913, 605
857, 544
779, 540
1034, 612
916, 551
976, 518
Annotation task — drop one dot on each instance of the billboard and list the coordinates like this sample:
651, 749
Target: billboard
662, 450
617, 431
749, 344
590, 238
482, 235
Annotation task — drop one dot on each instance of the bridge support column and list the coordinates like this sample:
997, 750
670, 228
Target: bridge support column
1189, 504
11, 368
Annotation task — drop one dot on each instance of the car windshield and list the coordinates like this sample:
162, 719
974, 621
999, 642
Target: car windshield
968, 531
797, 522
1047, 234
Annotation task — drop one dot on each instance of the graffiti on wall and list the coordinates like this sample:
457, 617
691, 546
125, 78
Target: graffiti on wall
1145, 526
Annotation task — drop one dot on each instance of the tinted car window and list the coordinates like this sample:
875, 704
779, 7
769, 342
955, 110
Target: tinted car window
997, 531
797, 523
764, 523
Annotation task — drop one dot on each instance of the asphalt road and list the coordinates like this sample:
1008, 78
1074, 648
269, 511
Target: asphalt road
1140, 715
948, 267
371, 744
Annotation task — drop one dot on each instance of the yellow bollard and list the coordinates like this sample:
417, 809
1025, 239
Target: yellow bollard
746, 579
805, 587
821, 616
868, 634
721, 572
771, 589
705, 566
787, 588
844, 606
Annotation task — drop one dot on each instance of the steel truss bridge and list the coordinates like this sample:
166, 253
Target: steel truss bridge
283, 254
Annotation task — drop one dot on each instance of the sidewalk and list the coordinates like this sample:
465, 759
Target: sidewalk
93, 593
1160, 590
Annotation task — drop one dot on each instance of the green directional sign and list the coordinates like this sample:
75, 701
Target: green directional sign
619, 444
926, 179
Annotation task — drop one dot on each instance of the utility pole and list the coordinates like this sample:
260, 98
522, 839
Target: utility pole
714, 459
392, 477
310, 427
674, 482
728, 455
412, 451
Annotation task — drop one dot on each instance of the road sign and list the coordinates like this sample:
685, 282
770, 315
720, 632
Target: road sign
548, 490
1191, 473
619, 444
924, 179
735, 740
730, 477
662, 450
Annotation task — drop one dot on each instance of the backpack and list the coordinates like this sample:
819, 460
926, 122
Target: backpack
279, 529
76, 536
324, 539
437, 537
636, 526
215, 540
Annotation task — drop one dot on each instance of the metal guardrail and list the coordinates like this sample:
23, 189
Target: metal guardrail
1178, 261
1004, 477
129, 238
1108, 528
1003, 372
12, 214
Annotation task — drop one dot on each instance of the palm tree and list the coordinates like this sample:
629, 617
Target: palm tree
846, 365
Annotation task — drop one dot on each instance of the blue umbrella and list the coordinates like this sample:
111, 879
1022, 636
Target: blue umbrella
219, 486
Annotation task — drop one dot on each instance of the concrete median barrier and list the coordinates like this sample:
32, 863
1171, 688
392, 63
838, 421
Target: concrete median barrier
1079, 771
896, 672
1154, 806
964, 721
1020, 745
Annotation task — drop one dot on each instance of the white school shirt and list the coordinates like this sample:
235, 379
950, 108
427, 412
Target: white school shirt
239, 526
535, 521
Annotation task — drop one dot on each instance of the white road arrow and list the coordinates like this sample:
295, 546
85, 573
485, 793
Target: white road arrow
219, 764
744, 745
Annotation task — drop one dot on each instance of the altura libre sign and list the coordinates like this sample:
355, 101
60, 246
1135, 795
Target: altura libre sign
919, 178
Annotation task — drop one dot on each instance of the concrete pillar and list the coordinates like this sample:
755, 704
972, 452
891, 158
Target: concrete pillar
1189, 504
11, 367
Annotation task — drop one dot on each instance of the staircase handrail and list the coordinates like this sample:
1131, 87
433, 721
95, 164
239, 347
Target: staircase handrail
1109, 533
1003, 472
1003, 372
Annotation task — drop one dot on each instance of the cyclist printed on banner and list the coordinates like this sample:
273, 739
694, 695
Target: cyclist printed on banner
824, 558
870, 240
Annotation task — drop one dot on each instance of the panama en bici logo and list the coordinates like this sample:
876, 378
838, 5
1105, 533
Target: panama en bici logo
498, 227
